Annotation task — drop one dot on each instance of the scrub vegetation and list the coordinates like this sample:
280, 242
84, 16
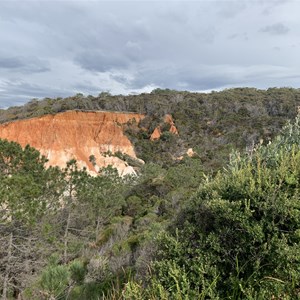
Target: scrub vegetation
222, 224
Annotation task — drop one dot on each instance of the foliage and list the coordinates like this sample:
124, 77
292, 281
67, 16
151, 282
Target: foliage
24, 184
238, 238
54, 280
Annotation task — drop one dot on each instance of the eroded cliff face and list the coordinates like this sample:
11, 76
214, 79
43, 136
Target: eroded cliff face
78, 135
157, 131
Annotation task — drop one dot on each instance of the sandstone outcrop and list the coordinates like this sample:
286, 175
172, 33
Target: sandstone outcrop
155, 134
190, 152
76, 134
168, 119
157, 131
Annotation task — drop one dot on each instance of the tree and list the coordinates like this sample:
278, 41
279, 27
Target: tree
23, 181
102, 197
73, 179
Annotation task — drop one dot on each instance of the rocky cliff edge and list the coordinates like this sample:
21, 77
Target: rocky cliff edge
76, 134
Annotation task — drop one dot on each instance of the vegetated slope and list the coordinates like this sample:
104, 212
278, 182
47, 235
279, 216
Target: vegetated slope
211, 123
77, 135
66, 234
238, 236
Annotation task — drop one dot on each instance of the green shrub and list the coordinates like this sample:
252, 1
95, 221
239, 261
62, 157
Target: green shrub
78, 271
54, 282
238, 237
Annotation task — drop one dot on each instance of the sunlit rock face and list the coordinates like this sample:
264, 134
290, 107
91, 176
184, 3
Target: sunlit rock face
78, 135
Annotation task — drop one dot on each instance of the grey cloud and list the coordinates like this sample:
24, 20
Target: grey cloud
86, 87
235, 36
23, 64
18, 91
230, 9
100, 62
11, 100
207, 77
275, 29
10, 63
174, 14
187, 77
206, 35
269, 6
115, 57
122, 78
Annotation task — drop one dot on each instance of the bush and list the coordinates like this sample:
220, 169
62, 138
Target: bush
54, 281
239, 236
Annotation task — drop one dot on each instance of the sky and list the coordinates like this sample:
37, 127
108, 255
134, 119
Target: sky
60, 48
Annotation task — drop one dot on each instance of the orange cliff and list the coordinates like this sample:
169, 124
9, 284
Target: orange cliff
76, 134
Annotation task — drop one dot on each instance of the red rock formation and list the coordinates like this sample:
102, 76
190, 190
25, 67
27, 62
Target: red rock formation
155, 134
157, 131
168, 119
78, 135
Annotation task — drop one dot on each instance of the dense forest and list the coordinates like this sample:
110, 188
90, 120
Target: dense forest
222, 224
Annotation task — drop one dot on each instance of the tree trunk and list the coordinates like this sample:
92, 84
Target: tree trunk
7, 269
97, 228
66, 238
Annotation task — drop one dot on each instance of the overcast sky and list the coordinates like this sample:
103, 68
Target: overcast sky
60, 48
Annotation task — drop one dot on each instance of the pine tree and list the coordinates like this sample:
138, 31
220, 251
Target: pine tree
23, 183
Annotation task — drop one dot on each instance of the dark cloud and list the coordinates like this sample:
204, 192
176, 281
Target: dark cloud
123, 79
19, 91
276, 29
115, 58
101, 62
11, 63
23, 64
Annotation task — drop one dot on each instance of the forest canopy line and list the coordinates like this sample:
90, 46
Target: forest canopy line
212, 124
161, 101
202, 227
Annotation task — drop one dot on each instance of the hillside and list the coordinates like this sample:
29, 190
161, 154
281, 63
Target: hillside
211, 124
194, 225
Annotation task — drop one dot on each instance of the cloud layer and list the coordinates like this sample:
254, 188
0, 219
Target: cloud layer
59, 48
